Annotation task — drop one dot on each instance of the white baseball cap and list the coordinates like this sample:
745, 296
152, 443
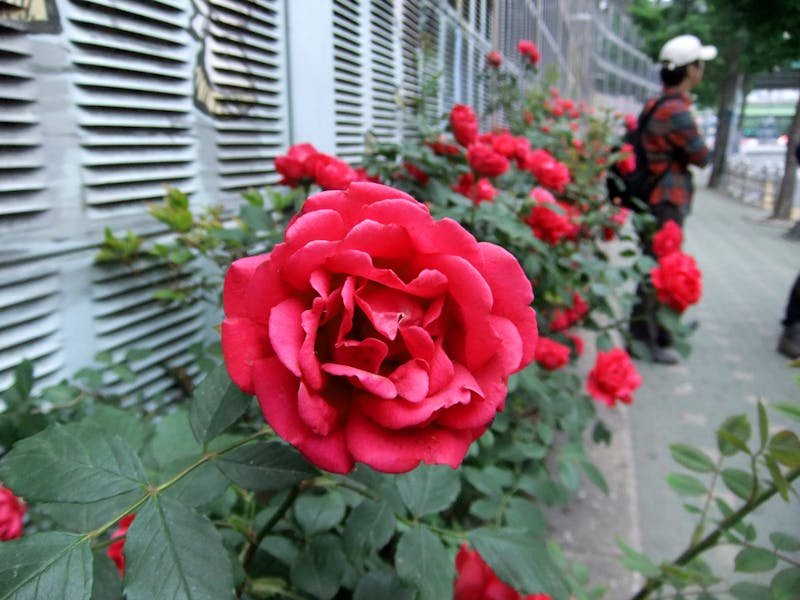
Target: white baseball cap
683, 50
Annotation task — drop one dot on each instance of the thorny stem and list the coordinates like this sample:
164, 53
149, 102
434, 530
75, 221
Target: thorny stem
711, 539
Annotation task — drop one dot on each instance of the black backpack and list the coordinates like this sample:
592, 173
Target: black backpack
634, 189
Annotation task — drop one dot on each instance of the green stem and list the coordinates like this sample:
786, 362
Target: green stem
698, 531
712, 538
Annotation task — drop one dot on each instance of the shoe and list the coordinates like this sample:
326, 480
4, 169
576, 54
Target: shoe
662, 356
789, 344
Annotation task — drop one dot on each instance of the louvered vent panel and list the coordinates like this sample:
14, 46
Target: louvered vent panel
242, 83
448, 50
432, 64
128, 317
348, 80
133, 92
384, 79
29, 320
411, 65
22, 179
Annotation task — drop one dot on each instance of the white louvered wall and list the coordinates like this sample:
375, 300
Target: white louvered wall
103, 103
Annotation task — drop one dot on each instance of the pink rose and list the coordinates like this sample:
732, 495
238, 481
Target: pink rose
678, 281
464, 123
614, 377
292, 166
668, 239
12, 512
374, 333
485, 161
551, 354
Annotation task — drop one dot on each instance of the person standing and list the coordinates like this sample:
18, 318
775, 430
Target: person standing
789, 342
672, 142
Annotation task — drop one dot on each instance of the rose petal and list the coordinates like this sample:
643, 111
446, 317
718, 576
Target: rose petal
286, 332
237, 284
322, 414
442, 370
367, 354
323, 224
299, 266
371, 382
411, 380
396, 413
386, 308
307, 356
418, 342
401, 451
243, 343
479, 412
378, 240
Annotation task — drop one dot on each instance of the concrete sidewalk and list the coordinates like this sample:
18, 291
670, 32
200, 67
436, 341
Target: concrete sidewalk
748, 269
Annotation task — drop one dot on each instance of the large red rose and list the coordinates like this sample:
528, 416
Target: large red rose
114, 550
678, 281
293, 165
464, 123
12, 512
668, 239
551, 354
485, 161
613, 378
475, 580
374, 333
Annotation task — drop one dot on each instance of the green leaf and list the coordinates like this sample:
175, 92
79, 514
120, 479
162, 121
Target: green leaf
106, 584
369, 527
384, 585
636, 561
319, 567
20, 391
785, 542
523, 514
686, 485
265, 466
45, 566
733, 435
745, 590
785, 448
489, 480
778, 480
755, 560
428, 488
318, 513
785, 584
787, 409
216, 405
763, 424
422, 561
82, 517
72, 463
124, 423
520, 560
739, 482
173, 552
691, 458
595, 476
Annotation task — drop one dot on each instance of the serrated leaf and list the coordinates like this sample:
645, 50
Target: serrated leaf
755, 560
785, 584
422, 561
745, 590
124, 423
520, 560
523, 514
636, 561
216, 405
72, 463
734, 434
45, 566
319, 567
739, 482
316, 514
174, 553
785, 448
428, 488
384, 585
368, 527
82, 517
686, 485
784, 541
265, 466
106, 584
692, 458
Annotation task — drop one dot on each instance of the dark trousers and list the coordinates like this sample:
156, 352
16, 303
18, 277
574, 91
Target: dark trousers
793, 305
643, 325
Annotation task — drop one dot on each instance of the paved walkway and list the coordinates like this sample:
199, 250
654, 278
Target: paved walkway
748, 268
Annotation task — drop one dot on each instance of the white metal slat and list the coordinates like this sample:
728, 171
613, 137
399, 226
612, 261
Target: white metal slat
22, 181
132, 83
383, 39
349, 92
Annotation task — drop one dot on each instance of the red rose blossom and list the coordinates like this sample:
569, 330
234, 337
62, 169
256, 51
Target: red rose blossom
114, 550
12, 512
331, 173
293, 165
678, 281
631, 122
564, 317
484, 191
548, 171
417, 173
475, 580
628, 164
577, 342
443, 147
485, 161
614, 377
374, 333
529, 49
550, 220
494, 59
667, 240
551, 354
464, 123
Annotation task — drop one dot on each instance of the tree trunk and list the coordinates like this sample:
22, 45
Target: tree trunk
731, 84
785, 199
